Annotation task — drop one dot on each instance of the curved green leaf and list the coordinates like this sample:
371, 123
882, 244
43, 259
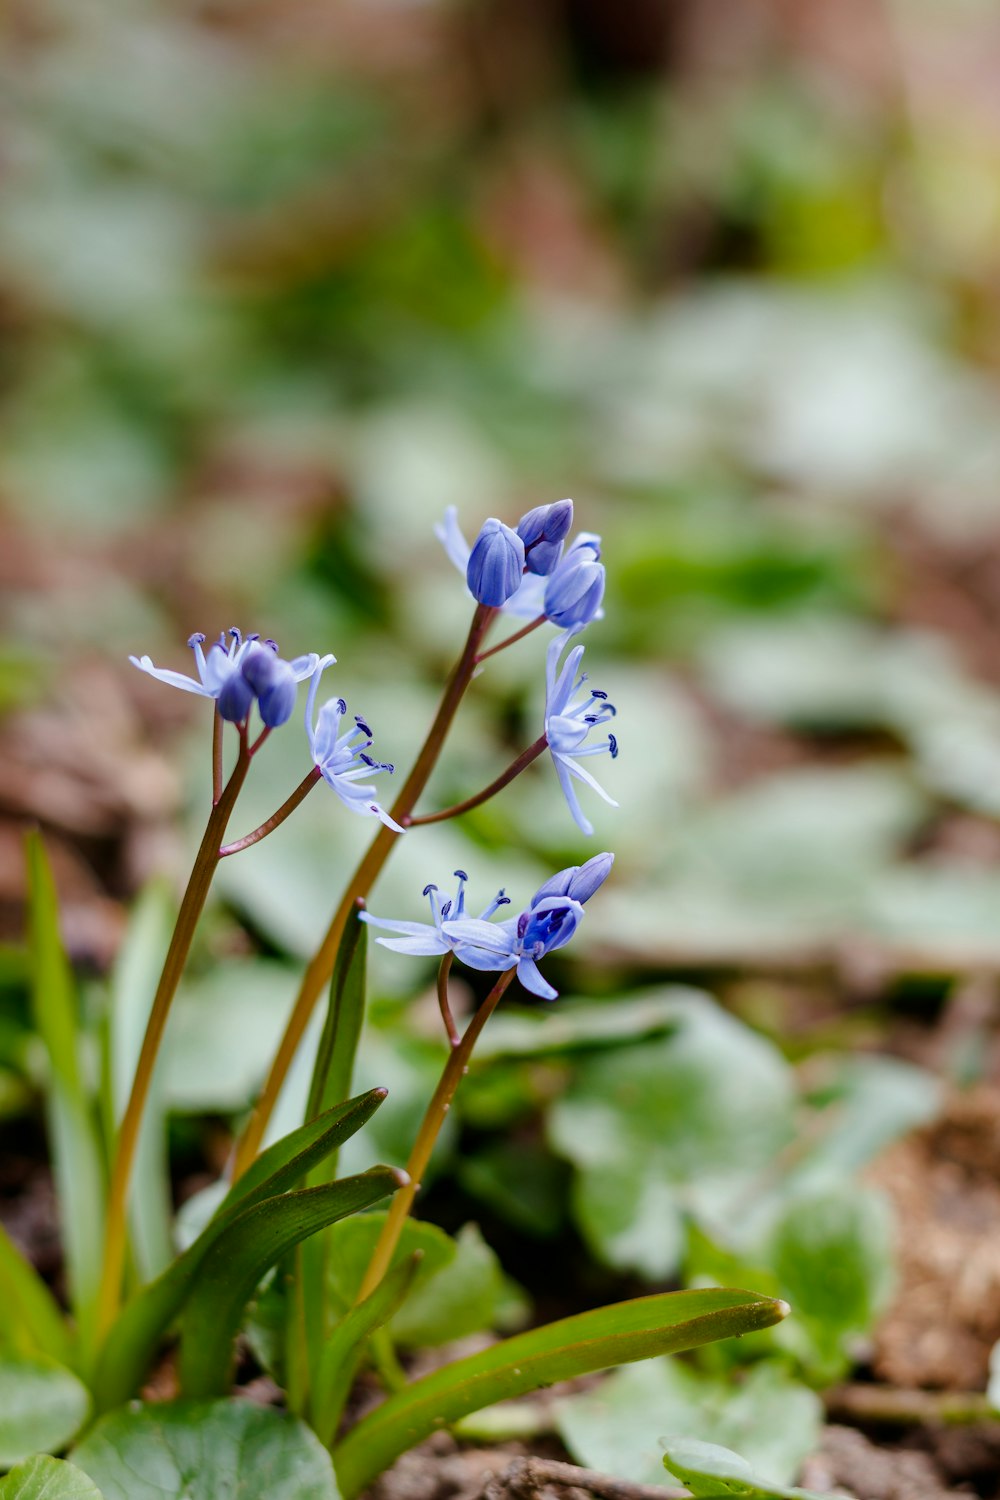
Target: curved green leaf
711, 1472
234, 1266
44, 1478
76, 1155
574, 1346
188, 1450
342, 1351
42, 1406
30, 1319
132, 1342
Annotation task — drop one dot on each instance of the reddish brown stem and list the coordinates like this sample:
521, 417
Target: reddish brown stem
504, 779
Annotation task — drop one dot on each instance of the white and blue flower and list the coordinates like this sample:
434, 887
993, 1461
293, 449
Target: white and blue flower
548, 923
343, 759
569, 720
237, 673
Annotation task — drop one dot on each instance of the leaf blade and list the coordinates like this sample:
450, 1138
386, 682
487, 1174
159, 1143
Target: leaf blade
595, 1340
255, 1241
132, 1340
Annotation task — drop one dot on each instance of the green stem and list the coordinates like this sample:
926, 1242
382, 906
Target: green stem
173, 967
423, 1146
286, 809
317, 974
504, 779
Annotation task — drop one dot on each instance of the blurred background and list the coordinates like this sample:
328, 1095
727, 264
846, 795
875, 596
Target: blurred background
281, 279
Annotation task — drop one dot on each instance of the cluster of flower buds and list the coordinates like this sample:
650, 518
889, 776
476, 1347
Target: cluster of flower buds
528, 570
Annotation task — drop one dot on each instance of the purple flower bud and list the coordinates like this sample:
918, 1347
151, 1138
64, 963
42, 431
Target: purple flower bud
579, 882
548, 925
273, 683
542, 531
496, 564
574, 591
235, 697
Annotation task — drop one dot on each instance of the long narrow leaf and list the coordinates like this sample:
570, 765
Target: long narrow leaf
238, 1260
574, 1346
133, 984
132, 1342
307, 1323
338, 1043
30, 1319
76, 1155
342, 1351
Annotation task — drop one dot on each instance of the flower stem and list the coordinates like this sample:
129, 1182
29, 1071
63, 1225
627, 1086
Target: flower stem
511, 639
437, 1112
173, 967
216, 756
300, 793
317, 974
444, 969
504, 779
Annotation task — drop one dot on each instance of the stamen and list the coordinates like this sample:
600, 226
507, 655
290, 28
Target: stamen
273, 645
613, 746
445, 909
197, 639
365, 729
461, 874
597, 693
234, 631
342, 705
427, 889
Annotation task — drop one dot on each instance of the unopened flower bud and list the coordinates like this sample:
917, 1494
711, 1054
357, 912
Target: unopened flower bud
273, 682
542, 531
496, 564
579, 882
574, 591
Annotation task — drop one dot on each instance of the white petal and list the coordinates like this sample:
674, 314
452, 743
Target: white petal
415, 947
449, 534
532, 980
175, 679
569, 792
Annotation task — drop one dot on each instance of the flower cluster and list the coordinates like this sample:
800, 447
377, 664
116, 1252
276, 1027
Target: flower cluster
547, 922
525, 571
530, 570
237, 674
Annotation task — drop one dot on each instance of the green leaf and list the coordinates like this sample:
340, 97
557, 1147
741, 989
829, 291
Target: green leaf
331, 1082
710, 1471
616, 1427
574, 1346
42, 1405
76, 1155
342, 1350
132, 1341
338, 1043
133, 984
255, 1240
45, 1478
831, 1250
456, 1291
30, 1319
219, 1450
683, 1124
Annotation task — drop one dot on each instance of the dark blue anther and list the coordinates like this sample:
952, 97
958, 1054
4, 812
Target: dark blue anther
197, 639
365, 729
427, 889
597, 693
460, 874
342, 705
613, 744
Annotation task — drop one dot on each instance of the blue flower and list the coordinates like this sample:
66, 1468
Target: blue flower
236, 674
496, 564
575, 594
342, 759
518, 942
542, 531
568, 722
574, 591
